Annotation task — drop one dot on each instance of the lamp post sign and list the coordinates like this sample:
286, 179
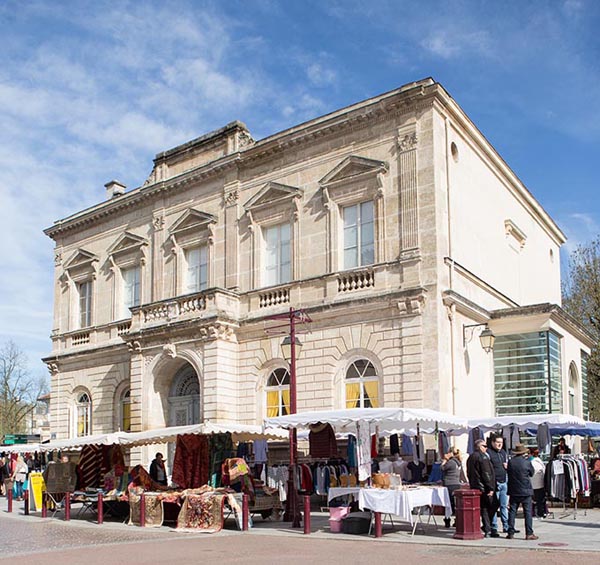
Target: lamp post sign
291, 348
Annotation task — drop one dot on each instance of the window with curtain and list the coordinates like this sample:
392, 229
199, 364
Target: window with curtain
131, 289
278, 393
84, 290
84, 414
572, 389
196, 278
362, 385
125, 411
359, 232
278, 263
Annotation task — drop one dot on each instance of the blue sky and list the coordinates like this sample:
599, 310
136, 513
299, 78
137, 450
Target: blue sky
91, 91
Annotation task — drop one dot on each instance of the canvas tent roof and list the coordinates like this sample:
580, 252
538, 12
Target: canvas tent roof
388, 420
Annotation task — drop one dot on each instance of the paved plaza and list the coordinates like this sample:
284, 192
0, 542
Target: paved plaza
572, 540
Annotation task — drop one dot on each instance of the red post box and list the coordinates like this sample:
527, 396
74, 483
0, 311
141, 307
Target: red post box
468, 514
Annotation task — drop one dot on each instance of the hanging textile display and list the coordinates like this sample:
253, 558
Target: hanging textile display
322, 442
191, 462
221, 448
363, 435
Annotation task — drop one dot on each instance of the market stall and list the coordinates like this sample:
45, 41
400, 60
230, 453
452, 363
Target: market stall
364, 426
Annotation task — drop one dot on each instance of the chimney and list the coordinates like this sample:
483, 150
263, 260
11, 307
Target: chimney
114, 188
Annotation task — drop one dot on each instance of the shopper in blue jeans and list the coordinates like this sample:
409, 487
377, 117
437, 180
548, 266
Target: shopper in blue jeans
499, 460
520, 491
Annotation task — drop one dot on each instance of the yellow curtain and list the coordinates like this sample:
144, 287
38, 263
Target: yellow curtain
272, 404
126, 423
352, 395
371, 390
285, 394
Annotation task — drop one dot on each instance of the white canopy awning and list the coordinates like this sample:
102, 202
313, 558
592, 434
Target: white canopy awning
388, 420
239, 432
20, 448
528, 421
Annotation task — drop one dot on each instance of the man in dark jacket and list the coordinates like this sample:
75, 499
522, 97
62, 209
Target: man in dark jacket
520, 490
481, 477
499, 460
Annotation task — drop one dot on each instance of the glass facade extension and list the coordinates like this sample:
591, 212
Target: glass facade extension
527, 371
584, 385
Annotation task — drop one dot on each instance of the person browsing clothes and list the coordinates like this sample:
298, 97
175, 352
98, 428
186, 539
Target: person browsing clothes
520, 490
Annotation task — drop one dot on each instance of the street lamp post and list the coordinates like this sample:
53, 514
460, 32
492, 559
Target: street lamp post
291, 346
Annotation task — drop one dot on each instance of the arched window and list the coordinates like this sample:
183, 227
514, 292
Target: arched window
572, 389
362, 385
278, 393
125, 411
84, 414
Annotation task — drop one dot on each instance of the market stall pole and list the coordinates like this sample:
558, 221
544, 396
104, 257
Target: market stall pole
100, 508
9, 497
289, 345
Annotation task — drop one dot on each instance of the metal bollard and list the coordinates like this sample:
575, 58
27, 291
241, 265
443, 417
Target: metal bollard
143, 510
100, 508
307, 514
378, 527
44, 505
26, 502
9, 496
245, 512
67, 502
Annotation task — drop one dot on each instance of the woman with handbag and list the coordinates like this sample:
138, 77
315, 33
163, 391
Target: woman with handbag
452, 474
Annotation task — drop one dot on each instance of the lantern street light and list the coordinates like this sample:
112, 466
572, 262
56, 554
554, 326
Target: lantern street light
486, 337
291, 347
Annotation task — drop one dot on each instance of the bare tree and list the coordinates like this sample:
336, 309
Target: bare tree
19, 390
581, 298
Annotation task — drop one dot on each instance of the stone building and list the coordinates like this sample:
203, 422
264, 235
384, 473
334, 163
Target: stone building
392, 222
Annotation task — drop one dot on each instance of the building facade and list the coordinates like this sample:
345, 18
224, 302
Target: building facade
393, 223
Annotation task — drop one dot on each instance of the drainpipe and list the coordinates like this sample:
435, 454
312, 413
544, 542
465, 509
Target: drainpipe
452, 313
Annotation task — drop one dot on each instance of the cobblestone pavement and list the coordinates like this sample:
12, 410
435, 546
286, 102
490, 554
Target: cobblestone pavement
41, 541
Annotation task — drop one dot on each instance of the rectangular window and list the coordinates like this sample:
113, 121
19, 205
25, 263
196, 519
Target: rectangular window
84, 290
584, 385
197, 269
359, 235
527, 374
278, 265
131, 289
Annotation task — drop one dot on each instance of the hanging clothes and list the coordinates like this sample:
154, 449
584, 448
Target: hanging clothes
443, 443
351, 452
363, 436
544, 439
261, 450
191, 462
474, 435
419, 449
394, 445
407, 446
322, 442
221, 448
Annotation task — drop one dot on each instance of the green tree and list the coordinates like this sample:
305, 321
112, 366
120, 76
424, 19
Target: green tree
581, 299
19, 390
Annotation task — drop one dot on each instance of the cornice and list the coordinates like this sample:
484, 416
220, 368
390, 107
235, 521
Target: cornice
411, 98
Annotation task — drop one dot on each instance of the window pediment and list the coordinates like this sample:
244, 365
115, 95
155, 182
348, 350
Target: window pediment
82, 265
192, 220
127, 249
126, 243
353, 168
81, 259
273, 202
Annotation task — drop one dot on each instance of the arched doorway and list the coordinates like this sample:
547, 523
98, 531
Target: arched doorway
184, 397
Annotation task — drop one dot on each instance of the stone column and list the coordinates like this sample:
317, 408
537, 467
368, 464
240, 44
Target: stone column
136, 382
157, 267
232, 251
408, 185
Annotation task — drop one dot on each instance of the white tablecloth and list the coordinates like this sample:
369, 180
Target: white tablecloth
334, 492
401, 502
